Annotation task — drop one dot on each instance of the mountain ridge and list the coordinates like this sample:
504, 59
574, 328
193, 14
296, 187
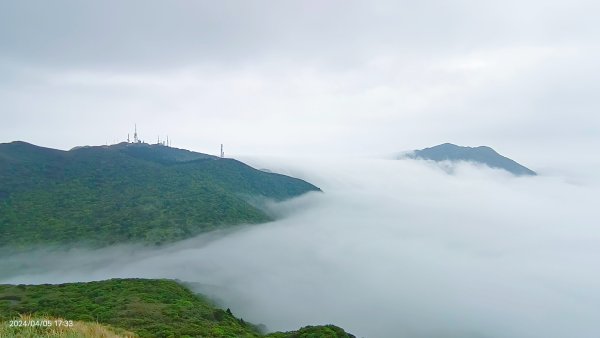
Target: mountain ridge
127, 193
481, 154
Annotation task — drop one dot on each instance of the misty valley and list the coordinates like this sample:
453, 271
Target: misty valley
147, 240
129, 193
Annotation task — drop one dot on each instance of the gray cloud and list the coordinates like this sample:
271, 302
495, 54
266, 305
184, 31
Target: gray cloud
157, 34
392, 248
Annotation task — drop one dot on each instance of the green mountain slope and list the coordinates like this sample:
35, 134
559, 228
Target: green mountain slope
52, 327
126, 193
149, 308
323, 331
482, 155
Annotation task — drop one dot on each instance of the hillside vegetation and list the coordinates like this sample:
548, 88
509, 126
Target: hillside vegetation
148, 308
59, 328
127, 193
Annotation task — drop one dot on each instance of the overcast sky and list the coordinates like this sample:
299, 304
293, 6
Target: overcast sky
325, 77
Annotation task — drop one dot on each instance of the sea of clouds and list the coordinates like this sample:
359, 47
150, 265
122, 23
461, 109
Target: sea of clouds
389, 249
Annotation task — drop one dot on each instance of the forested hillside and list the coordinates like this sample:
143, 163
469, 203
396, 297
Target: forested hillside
148, 308
127, 193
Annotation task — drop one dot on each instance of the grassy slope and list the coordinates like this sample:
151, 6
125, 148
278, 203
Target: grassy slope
57, 329
106, 195
149, 308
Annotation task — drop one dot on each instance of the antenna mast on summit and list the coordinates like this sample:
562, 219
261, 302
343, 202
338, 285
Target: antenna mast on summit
135, 135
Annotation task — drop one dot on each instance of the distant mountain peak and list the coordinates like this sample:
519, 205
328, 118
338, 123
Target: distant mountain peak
481, 154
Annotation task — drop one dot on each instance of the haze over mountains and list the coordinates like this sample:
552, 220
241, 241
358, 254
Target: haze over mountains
479, 155
128, 192
391, 249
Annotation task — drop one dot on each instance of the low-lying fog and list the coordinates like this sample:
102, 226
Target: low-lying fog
391, 249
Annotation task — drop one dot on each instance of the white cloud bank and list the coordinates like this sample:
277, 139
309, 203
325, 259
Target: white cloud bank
391, 249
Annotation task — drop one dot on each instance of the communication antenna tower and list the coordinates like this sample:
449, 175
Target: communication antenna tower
135, 135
